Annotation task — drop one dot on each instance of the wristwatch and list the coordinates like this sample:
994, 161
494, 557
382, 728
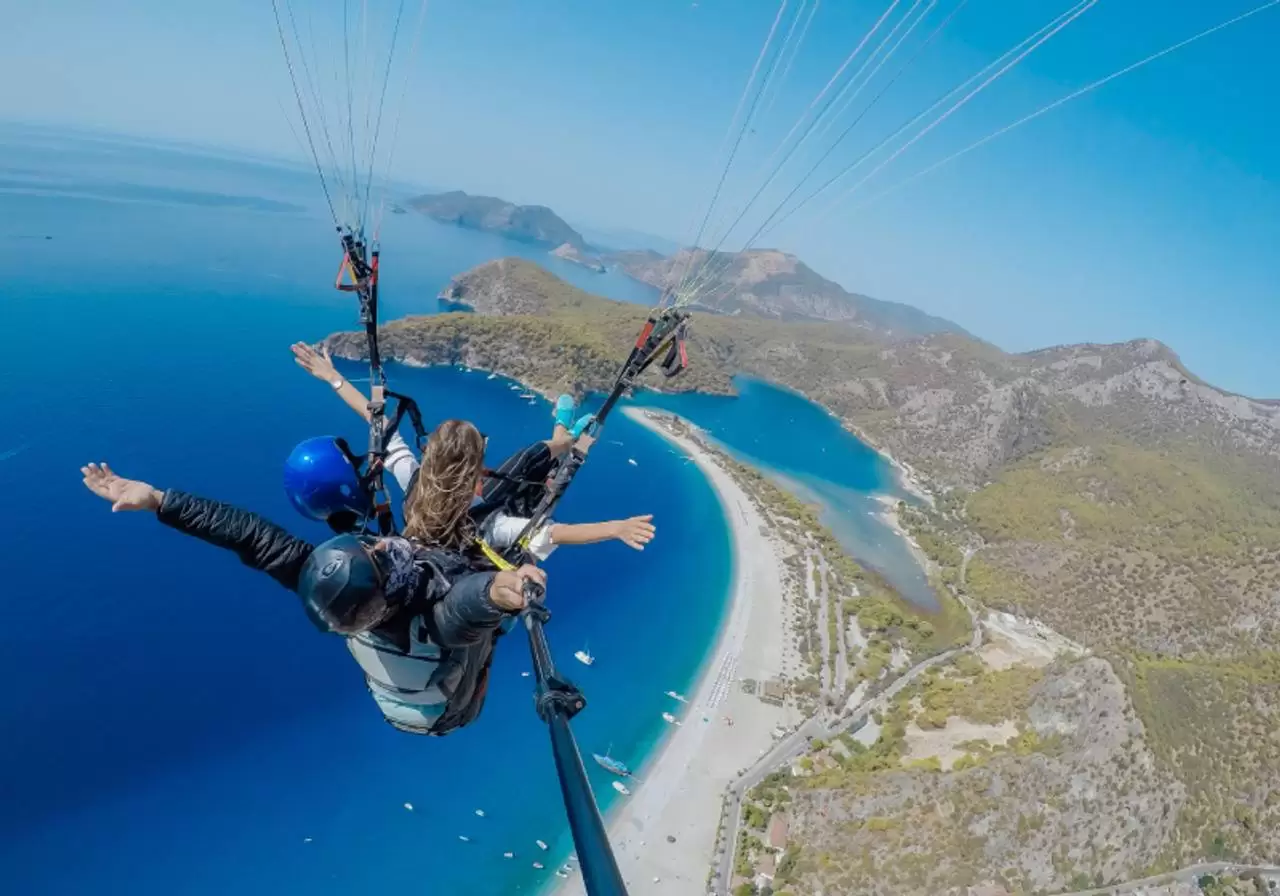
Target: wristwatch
337, 384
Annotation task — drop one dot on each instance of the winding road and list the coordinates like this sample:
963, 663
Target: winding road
796, 744
1190, 874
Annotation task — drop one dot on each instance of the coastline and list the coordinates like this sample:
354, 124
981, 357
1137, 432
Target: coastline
889, 515
679, 793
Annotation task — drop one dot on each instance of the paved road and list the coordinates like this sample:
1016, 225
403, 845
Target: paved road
1188, 875
797, 743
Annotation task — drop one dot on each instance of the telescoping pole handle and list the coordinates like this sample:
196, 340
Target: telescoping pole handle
557, 701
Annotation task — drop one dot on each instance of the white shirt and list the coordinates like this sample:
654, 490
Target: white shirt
499, 530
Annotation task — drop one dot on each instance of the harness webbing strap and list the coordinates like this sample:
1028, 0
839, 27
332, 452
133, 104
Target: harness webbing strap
493, 556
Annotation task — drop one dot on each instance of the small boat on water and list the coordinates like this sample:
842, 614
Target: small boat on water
584, 656
527, 395
492, 376
561, 874
480, 812
609, 764
409, 806
669, 718
464, 838
537, 865
632, 461
508, 855
674, 696
541, 845
621, 788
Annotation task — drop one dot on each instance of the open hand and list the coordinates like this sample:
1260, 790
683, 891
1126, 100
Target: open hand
507, 590
635, 532
316, 363
124, 494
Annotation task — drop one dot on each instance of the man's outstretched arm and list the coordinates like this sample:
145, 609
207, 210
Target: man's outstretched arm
259, 543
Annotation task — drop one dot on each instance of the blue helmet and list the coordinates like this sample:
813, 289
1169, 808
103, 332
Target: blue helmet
321, 481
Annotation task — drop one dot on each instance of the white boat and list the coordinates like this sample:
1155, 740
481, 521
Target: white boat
537, 865
541, 845
409, 806
508, 855
669, 718
524, 674
464, 838
674, 696
561, 874
584, 655
527, 395
480, 812
621, 788
632, 461
491, 376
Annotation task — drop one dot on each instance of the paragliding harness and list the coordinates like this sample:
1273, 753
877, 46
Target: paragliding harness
556, 698
361, 267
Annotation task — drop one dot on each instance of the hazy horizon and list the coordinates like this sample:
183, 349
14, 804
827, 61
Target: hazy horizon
1148, 209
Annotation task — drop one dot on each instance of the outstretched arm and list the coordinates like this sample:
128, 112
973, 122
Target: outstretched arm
259, 543
635, 532
319, 365
399, 461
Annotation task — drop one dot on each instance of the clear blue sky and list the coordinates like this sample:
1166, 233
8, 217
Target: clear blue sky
1149, 208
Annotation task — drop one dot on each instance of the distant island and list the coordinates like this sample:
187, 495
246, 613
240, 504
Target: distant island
1111, 520
526, 223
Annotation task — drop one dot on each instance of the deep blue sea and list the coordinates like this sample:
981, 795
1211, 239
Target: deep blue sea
171, 724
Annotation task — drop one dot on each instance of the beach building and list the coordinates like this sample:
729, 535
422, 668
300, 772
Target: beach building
773, 691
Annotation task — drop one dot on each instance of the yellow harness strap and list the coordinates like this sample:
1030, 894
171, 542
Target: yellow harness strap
493, 556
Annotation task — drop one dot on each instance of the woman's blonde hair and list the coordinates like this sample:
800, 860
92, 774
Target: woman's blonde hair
435, 510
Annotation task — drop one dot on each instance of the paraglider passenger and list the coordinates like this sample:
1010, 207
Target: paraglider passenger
418, 620
505, 501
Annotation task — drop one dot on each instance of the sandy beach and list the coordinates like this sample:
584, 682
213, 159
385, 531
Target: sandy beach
679, 791
889, 515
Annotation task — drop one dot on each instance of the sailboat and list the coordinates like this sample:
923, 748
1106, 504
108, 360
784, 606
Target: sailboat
609, 764
584, 655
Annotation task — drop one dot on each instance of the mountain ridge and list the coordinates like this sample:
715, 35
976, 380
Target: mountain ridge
774, 284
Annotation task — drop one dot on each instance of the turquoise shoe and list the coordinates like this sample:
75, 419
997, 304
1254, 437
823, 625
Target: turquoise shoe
587, 422
565, 408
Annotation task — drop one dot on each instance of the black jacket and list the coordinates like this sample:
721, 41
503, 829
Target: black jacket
464, 621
